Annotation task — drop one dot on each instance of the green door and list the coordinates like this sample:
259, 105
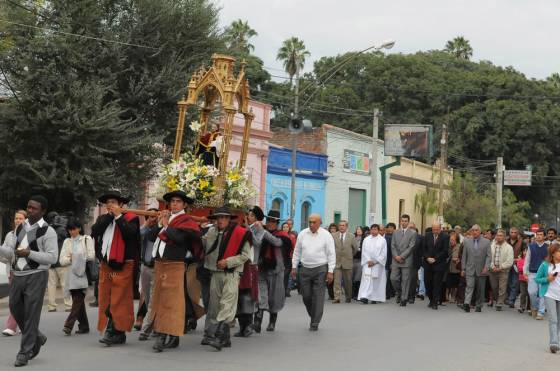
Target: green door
356, 208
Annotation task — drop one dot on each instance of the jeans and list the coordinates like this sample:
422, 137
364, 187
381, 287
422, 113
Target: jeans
421, 286
537, 302
553, 311
512, 286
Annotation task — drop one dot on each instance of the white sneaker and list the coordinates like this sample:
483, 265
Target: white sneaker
8, 332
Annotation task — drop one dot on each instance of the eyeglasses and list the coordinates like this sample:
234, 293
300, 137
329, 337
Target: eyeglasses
313, 221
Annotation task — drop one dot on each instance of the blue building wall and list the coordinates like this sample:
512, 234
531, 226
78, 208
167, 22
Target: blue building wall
311, 178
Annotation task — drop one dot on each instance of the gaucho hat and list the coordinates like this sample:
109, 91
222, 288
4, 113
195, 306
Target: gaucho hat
182, 195
222, 211
113, 194
273, 215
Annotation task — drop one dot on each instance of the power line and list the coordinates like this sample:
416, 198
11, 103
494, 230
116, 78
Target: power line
79, 36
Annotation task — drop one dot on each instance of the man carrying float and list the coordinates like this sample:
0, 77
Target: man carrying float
179, 236
117, 246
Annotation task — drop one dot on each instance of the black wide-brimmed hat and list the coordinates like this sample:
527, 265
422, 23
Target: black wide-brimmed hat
273, 215
182, 195
113, 194
258, 212
222, 211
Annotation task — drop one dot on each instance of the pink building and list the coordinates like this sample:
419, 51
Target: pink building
256, 158
258, 146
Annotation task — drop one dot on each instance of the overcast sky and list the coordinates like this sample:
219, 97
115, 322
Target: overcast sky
519, 33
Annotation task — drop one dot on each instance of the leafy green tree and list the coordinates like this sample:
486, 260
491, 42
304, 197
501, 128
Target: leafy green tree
460, 48
293, 54
468, 204
84, 115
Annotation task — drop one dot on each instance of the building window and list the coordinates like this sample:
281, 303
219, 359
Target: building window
401, 208
337, 217
305, 212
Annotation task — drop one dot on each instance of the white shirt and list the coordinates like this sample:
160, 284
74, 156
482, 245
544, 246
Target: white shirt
314, 249
159, 245
553, 290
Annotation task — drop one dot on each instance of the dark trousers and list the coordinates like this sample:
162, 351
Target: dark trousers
330, 289
78, 311
413, 284
26, 301
389, 291
513, 286
434, 282
312, 284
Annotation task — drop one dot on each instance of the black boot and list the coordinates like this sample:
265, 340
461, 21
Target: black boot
272, 323
258, 321
159, 345
107, 338
217, 340
244, 326
226, 340
172, 342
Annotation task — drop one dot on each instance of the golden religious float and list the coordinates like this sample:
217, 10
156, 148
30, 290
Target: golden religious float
205, 172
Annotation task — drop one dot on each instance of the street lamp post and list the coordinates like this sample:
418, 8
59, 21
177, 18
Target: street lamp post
388, 44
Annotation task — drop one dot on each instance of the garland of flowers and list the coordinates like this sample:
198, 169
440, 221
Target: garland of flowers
199, 181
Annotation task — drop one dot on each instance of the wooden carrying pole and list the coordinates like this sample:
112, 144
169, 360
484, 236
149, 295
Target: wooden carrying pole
197, 219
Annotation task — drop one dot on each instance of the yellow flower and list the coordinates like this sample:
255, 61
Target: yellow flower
172, 184
203, 184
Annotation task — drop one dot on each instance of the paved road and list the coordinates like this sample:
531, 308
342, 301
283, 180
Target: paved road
351, 337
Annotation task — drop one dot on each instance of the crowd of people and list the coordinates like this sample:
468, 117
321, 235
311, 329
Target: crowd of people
447, 266
230, 266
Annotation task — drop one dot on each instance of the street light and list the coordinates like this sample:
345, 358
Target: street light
387, 44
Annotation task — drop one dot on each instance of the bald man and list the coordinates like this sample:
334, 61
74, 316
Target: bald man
316, 252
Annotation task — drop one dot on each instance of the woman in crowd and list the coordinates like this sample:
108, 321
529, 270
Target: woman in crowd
549, 288
19, 218
76, 251
523, 282
359, 236
454, 276
333, 228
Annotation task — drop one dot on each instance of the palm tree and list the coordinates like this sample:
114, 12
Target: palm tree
460, 48
293, 54
426, 204
237, 36
554, 80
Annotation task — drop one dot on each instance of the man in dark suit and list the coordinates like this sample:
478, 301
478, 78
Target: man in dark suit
436, 252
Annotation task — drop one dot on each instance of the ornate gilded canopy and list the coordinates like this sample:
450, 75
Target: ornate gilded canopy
217, 84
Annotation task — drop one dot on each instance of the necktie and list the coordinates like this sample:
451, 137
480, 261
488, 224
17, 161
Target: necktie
342, 238
435, 239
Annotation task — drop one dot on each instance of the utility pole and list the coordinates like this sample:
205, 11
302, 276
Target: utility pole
442, 165
294, 149
373, 169
499, 188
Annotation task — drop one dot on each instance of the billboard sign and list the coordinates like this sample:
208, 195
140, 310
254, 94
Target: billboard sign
355, 162
521, 178
408, 140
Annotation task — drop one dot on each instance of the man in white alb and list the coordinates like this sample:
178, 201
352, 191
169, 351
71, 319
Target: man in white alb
316, 253
374, 258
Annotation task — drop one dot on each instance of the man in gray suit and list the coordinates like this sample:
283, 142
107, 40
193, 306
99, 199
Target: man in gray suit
402, 248
475, 263
343, 243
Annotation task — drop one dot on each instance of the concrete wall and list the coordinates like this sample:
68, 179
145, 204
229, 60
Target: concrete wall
340, 180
